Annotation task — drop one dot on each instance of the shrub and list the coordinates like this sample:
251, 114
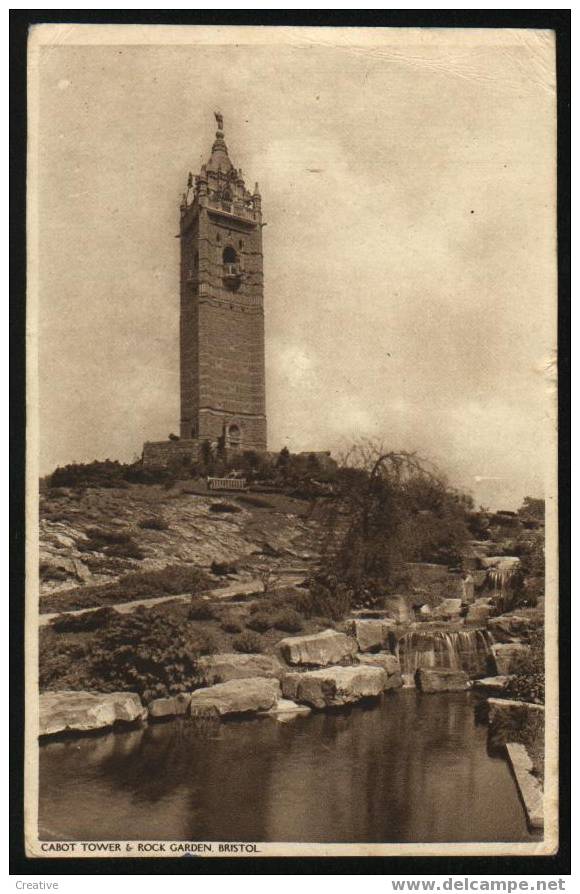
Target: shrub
231, 625
200, 610
173, 580
62, 664
154, 523
528, 684
261, 621
223, 568
256, 502
149, 653
326, 597
248, 642
289, 620
92, 620
111, 543
224, 507
52, 572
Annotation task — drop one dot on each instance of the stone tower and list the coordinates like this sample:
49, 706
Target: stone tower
222, 307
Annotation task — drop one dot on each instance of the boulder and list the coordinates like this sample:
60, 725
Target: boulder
235, 697
398, 609
389, 663
479, 611
507, 719
441, 680
334, 686
318, 649
449, 609
510, 628
506, 658
172, 706
285, 707
492, 684
425, 613
372, 635
68, 711
236, 666
502, 563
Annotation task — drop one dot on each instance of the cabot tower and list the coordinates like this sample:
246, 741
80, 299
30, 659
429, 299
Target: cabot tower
222, 307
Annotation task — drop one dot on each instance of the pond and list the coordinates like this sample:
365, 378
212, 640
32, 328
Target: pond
409, 768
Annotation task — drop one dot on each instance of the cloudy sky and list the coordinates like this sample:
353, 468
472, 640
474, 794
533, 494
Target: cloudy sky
409, 253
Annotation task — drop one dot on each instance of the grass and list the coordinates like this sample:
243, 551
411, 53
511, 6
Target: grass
169, 581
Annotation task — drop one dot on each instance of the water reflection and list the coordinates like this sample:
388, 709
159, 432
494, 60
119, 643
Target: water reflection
412, 768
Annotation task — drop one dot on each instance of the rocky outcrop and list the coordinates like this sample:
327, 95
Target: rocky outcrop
235, 666
334, 686
318, 649
80, 712
441, 680
372, 635
172, 706
389, 663
506, 658
235, 697
448, 610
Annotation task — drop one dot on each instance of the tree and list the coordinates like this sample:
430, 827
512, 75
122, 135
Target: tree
390, 507
533, 507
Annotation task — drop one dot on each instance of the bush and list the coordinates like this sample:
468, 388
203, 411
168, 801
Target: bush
223, 568
224, 507
200, 610
155, 523
231, 625
92, 620
248, 642
173, 580
326, 597
62, 664
289, 620
111, 543
148, 653
529, 683
256, 502
261, 621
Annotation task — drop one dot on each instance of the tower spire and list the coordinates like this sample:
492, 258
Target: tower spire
219, 151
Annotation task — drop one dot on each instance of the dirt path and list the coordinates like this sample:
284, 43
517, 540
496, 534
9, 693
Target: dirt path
235, 588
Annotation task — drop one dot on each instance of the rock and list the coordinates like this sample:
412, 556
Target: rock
372, 635
235, 697
389, 663
235, 666
425, 613
492, 684
286, 707
66, 711
449, 609
318, 649
506, 658
507, 628
441, 680
169, 707
334, 686
479, 612
398, 609
528, 784
507, 719
502, 563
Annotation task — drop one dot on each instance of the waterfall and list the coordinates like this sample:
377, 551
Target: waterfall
466, 650
499, 580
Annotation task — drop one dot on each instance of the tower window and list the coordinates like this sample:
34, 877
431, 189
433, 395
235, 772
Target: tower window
234, 436
232, 269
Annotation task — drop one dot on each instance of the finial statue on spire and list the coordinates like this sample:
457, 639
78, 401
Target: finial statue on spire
220, 120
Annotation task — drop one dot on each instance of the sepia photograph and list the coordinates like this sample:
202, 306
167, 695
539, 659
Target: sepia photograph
292, 541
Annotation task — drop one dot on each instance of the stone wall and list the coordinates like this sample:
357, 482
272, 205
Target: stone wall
165, 453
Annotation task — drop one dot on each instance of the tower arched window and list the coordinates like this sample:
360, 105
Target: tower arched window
231, 267
234, 435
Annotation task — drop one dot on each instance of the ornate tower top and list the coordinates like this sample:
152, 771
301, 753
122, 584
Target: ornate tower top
219, 185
